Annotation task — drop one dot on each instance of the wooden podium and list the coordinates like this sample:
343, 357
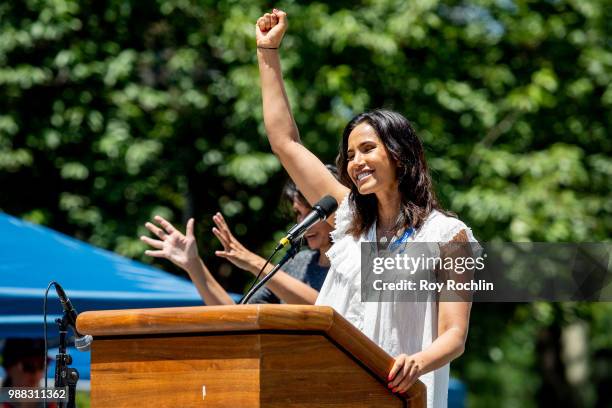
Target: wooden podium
237, 356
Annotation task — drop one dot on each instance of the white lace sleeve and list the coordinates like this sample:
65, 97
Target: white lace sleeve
451, 227
440, 228
343, 219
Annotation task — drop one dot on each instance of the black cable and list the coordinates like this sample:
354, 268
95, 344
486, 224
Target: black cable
52, 283
293, 249
258, 275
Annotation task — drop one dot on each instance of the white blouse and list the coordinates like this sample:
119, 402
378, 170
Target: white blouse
397, 327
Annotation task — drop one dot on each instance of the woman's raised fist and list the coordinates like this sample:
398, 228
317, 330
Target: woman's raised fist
270, 29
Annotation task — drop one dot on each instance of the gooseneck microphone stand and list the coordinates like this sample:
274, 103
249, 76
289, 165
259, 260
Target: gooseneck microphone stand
293, 249
65, 376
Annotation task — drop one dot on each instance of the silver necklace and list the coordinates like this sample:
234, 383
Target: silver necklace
384, 234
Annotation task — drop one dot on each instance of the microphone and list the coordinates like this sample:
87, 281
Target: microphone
82, 343
320, 211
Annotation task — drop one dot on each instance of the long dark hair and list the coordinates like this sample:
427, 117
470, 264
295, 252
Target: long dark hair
418, 198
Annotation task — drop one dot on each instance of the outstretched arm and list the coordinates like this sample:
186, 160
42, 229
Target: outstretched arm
182, 250
283, 285
305, 169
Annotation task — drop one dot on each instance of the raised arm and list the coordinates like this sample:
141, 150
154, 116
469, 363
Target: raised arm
182, 250
304, 168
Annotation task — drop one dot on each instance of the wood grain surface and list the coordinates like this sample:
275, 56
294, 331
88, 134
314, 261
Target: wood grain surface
172, 371
310, 371
182, 342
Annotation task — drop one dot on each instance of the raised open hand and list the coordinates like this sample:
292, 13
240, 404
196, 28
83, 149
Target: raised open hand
181, 250
270, 29
233, 250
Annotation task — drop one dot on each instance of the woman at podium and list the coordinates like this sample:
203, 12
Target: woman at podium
385, 195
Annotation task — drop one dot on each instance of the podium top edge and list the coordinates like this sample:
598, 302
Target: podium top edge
205, 319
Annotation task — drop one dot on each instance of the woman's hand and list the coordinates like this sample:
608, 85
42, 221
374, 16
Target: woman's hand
181, 250
270, 29
233, 250
405, 371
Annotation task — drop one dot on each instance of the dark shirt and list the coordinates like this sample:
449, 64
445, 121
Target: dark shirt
305, 267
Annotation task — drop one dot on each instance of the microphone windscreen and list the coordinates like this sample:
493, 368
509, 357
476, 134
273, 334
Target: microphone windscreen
327, 204
60, 292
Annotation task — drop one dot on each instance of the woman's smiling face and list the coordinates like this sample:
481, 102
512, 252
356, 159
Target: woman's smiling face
370, 166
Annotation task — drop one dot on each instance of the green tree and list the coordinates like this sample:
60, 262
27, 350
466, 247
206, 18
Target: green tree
113, 111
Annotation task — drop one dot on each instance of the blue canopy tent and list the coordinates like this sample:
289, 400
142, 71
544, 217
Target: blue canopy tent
94, 279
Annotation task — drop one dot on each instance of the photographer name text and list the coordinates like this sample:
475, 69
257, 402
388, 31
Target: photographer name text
426, 285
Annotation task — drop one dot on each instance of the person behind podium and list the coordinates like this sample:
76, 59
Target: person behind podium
389, 198
298, 282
